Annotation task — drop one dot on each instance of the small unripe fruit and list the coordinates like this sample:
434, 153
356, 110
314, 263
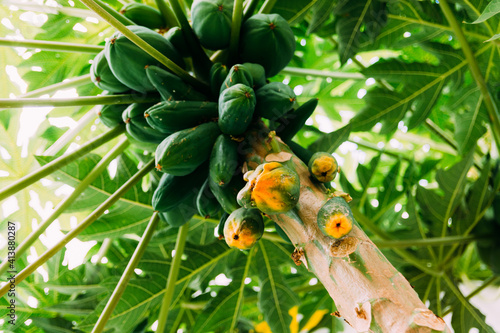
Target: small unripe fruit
323, 167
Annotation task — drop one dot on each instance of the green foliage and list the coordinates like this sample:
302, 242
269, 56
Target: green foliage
398, 104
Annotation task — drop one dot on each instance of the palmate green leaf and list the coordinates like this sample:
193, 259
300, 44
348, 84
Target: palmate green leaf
129, 215
352, 16
293, 10
223, 311
331, 141
452, 181
275, 297
321, 12
143, 294
492, 9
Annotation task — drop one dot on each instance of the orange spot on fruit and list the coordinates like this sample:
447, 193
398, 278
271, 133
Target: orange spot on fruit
338, 225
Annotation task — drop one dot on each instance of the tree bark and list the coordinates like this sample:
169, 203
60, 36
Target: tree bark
370, 294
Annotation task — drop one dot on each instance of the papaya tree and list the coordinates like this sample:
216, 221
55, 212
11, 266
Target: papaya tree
249, 166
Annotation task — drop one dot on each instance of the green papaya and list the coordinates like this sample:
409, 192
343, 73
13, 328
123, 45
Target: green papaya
243, 228
128, 62
173, 116
323, 167
265, 36
180, 214
206, 203
335, 218
218, 73
293, 121
274, 100
111, 114
237, 74
172, 190
211, 21
137, 126
171, 87
227, 195
103, 78
223, 160
236, 109
143, 15
182, 152
258, 74
175, 36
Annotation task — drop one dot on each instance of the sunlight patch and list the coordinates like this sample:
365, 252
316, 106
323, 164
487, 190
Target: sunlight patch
76, 251
79, 27
10, 206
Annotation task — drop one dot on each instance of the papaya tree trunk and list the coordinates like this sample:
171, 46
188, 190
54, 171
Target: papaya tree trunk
369, 293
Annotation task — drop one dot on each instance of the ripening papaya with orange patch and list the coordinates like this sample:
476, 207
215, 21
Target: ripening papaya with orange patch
335, 218
272, 188
243, 228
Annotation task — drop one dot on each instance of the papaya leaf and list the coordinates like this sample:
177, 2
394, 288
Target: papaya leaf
321, 12
293, 10
389, 193
439, 207
331, 141
275, 297
492, 9
223, 311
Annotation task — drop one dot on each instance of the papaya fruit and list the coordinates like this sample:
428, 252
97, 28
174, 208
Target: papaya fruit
211, 21
335, 218
236, 108
223, 160
103, 78
172, 190
258, 74
171, 87
243, 228
226, 196
173, 116
323, 167
206, 203
218, 73
274, 100
294, 120
180, 214
128, 61
143, 15
175, 36
111, 114
273, 188
265, 36
182, 152
236, 75
137, 126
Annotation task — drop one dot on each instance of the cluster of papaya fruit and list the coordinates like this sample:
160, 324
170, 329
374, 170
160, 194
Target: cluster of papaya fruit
198, 135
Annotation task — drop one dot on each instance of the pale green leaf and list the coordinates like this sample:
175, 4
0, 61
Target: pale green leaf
492, 9
331, 141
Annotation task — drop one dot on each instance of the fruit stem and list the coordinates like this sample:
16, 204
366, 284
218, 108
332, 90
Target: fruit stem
267, 7
145, 46
250, 9
58, 163
61, 207
491, 106
199, 56
80, 227
127, 275
323, 74
172, 277
235, 31
51, 46
168, 15
6, 103
111, 11
105, 245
